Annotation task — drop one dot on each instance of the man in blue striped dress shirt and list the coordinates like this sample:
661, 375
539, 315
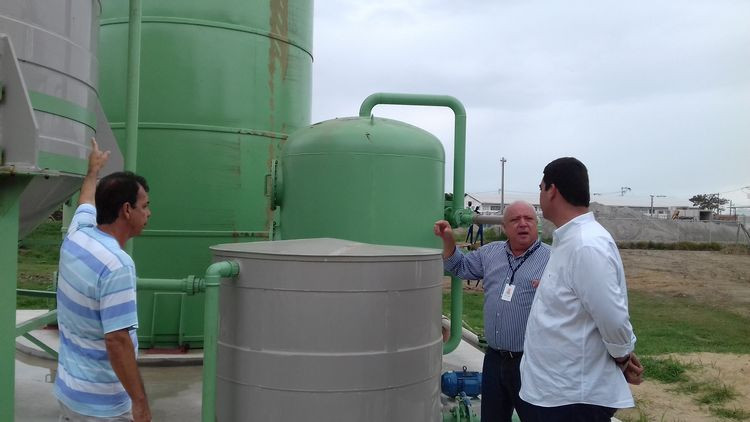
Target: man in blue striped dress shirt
97, 377
510, 271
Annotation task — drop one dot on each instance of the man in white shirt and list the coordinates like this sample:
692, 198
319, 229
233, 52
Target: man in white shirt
579, 342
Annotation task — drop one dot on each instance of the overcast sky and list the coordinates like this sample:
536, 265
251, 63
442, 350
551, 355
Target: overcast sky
652, 95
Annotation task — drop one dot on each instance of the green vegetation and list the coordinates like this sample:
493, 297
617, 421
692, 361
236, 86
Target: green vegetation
710, 393
662, 324
668, 371
38, 255
683, 325
672, 246
736, 414
473, 305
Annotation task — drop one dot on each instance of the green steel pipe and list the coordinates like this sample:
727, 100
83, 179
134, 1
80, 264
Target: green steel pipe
36, 293
459, 133
214, 273
460, 214
11, 187
457, 309
190, 284
34, 323
133, 88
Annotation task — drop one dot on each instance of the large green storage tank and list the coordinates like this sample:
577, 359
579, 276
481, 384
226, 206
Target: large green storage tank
365, 179
222, 83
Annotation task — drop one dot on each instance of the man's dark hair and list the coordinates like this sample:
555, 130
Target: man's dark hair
115, 190
571, 179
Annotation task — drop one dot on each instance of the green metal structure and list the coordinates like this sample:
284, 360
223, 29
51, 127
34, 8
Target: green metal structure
218, 87
363, 178
374, 180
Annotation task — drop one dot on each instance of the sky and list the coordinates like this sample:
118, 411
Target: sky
654, 96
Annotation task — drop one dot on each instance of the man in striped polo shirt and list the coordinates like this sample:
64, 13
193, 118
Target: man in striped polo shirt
510, 271
97, 377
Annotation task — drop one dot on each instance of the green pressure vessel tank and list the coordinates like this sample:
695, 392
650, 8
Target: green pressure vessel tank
365, 179
222, 84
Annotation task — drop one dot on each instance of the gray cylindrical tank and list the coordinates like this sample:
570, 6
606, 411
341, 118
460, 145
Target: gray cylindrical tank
56, 47
328, 329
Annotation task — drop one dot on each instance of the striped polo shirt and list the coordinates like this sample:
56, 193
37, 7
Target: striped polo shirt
95, 296
504, 321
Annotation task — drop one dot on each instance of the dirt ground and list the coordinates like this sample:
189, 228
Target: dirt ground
657, 402
712, 277
715, 278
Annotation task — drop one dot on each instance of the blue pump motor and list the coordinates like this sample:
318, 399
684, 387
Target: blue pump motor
455, 382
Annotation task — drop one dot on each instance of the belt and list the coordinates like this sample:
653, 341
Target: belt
505, 354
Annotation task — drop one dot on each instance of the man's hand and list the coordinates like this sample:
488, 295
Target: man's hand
141, 411
444, 231
97, 160
634, 370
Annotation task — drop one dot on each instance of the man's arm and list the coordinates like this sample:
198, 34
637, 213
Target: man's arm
97, 160
596, 283
121, 355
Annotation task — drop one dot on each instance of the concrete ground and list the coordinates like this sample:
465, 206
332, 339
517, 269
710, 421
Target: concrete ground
174, 391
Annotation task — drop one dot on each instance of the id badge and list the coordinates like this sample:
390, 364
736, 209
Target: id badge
508, 292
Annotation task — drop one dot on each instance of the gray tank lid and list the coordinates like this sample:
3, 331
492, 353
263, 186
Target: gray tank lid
328, 248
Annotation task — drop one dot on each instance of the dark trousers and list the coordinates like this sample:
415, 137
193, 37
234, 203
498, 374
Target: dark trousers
568, 413
501, 382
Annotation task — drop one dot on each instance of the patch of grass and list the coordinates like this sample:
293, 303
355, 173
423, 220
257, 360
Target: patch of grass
667, 370
684, 325
716, 394
736, 414
662, 324
691, 387
38, 256
672, 246
473, 305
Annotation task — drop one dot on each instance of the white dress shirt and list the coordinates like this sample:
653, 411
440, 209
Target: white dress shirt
579, 320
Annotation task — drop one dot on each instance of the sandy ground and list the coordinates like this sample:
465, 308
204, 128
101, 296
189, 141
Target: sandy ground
657, 402
713, 277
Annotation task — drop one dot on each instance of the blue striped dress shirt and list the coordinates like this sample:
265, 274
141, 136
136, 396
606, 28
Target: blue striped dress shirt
504, 322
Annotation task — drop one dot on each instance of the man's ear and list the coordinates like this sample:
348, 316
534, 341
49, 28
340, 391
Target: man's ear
553, 191
126, 209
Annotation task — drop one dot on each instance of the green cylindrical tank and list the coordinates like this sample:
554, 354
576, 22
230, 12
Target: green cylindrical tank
222, 83
365, 179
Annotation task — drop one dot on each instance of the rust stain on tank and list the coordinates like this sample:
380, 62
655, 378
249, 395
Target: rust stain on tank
278, 51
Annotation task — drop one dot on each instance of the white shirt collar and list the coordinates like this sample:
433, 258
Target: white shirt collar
566, 228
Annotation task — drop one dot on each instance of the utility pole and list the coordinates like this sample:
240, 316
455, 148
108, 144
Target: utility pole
651, 212
502, 184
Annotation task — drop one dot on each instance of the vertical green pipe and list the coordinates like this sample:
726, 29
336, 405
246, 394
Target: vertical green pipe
214, 273
133, 88
457, 308
11, 188
459, 168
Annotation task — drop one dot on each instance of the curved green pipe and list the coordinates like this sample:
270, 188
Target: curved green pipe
459, 215
214, 273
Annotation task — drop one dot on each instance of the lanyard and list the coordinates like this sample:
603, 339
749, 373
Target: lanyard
525, 257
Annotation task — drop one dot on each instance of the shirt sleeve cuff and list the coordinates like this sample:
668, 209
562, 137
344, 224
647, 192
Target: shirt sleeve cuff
450, 263
89, 208
620, 350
